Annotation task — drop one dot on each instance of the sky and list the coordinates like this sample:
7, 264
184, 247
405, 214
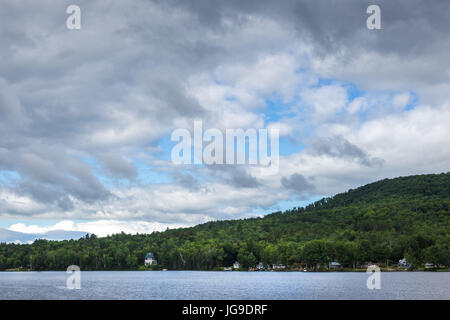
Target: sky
86, 115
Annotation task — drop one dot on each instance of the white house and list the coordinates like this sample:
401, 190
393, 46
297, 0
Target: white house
334, 265
260, 266
236, 265
429, 265
150, 259
278, 266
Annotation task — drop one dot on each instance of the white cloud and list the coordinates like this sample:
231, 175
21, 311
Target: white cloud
358, 104
100, 228
285, 127
411, 142
426, 75
401, 100
326, 100
134, 73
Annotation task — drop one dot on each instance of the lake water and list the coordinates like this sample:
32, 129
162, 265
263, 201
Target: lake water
224, 285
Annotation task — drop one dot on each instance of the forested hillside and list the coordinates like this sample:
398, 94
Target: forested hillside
380, 222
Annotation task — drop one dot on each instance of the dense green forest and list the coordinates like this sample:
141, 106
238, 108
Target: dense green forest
381, 222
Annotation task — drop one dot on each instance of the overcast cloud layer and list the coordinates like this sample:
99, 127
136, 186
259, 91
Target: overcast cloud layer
86, 115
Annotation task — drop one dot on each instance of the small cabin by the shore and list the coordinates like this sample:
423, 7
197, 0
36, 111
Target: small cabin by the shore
236, 265
150, 260
334, 265
260, 266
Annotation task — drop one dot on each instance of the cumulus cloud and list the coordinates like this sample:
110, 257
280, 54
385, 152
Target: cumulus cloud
100, 228
298, 183
84, 114
326, 101
340, 147
235, 175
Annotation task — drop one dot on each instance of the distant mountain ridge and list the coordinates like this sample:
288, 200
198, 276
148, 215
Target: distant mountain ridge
426, 185
10, 236
381, 223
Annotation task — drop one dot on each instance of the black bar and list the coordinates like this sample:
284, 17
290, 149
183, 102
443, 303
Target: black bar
230, 309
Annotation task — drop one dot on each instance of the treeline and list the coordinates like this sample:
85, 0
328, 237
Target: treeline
381, 222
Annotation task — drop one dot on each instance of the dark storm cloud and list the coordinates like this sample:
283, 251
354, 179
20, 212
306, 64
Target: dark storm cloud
186, 180
120, 83
46, 194
235, 175
339, 147
100, 92
173, 98
240, 178
408, 26
298, 183
408, 53
48, 175
117, 166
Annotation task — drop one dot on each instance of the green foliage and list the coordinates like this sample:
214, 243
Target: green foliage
380, 222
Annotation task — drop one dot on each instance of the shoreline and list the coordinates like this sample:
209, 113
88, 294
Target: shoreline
265, 271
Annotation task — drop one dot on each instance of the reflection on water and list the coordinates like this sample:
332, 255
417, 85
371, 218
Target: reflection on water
224, 285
